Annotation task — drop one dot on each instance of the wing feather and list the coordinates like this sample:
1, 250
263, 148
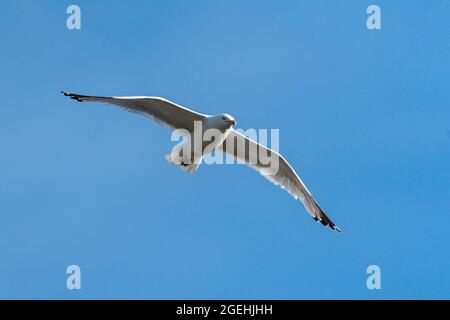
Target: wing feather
163, 111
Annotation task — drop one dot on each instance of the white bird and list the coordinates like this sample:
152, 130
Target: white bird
175, 117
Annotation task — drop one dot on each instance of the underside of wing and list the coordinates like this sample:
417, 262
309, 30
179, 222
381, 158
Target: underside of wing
161, 110
250, 152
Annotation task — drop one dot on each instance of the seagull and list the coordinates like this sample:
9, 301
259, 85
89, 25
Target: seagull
177, 117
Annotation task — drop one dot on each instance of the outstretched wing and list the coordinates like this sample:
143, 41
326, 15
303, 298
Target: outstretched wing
161, 110
250, 152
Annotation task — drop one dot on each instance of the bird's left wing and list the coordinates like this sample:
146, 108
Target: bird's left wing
250, 152
161, 110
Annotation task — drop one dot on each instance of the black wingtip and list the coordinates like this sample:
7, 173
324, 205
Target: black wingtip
72, 96
335, 228
332, 226
327, 223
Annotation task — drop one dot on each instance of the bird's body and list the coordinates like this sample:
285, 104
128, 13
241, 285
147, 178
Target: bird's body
207, 135
223, 137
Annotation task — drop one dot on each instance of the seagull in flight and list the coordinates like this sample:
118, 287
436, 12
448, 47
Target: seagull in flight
175, 117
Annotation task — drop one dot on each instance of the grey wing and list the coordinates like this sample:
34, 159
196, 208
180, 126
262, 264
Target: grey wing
250, 152
161, 110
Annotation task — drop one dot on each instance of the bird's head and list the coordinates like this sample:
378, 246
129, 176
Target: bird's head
227, 120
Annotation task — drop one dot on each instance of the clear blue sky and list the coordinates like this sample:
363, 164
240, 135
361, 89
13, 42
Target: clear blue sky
364, 118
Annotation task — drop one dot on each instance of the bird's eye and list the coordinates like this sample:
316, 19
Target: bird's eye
223, 118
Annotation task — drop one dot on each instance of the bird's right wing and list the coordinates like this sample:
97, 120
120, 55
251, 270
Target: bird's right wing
161, 110
250, 152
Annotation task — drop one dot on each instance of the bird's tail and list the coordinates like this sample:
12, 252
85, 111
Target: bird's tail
176, 158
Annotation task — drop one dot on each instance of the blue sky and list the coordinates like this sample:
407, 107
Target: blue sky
363, 116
